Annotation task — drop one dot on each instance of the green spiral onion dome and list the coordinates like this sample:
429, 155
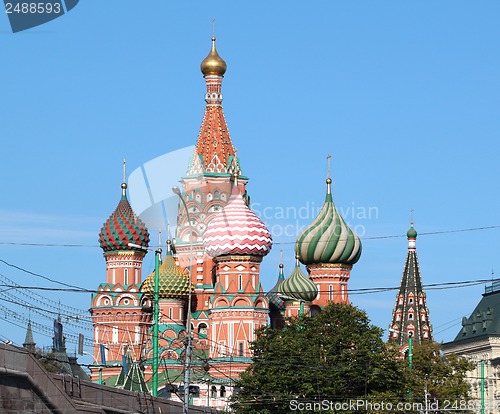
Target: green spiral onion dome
328, 239
123, 227
298, 286
173, 281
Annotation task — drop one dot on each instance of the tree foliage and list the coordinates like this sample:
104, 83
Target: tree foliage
337, 356
441, 377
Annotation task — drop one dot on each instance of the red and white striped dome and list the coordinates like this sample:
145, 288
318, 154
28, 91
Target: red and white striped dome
237, 230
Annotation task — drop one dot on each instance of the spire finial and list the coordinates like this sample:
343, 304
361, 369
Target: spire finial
159, 238
329, 158
213, 28
328, 180
281, 255
124, 181
412, 233
412, 213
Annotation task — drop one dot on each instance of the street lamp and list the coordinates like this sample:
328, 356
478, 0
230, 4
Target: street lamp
156, 312
187, 361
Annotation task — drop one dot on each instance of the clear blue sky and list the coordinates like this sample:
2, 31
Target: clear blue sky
405, 95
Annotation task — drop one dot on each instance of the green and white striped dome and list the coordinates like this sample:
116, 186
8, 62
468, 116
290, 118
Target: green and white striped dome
298, 286
328, 239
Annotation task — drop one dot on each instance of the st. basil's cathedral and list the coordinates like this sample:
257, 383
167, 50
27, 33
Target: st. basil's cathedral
215, 259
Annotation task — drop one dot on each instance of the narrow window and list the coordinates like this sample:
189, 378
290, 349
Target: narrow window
330, 292
125, 277
240, 350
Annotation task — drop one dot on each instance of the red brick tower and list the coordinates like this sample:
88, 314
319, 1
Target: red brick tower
237, 240
329, 248
120, 325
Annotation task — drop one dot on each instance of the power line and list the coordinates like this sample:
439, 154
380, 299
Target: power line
41, 276
391, 236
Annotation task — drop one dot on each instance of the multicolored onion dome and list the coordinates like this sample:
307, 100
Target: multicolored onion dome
273, 294
213, 64
412, 233
173, 282
237, 230
299, 286
123, 227
328, 239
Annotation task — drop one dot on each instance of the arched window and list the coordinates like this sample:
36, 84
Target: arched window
222, 391
240, 282
202, 330
213, 392
241, 347
125, 276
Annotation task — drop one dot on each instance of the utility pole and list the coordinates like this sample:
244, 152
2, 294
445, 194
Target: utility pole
187, 361
156, 316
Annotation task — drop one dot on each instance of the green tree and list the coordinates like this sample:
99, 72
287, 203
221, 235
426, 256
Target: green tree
339, 357
336, 355
442, 378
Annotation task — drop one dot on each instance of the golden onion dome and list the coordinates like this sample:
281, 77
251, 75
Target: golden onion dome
213, 64
173, 282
